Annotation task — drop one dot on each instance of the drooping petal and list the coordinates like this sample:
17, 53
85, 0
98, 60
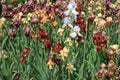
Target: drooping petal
73, 34
80, 35
70, 25
74, 12
63, 26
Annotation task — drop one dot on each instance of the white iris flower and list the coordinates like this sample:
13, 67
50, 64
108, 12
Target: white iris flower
71, 16
71, 9
75, 32
67, 22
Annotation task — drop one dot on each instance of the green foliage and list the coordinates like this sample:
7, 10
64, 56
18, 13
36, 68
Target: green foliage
86, 62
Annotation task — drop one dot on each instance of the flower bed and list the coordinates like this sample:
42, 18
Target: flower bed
60, 40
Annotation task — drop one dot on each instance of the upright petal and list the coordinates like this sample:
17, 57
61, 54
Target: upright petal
71, 6
76, 28
67, 20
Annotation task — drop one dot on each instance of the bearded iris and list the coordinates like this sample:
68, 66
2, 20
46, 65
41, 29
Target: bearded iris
75, 32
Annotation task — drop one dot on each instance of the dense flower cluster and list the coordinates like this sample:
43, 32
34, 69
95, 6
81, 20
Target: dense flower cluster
33, 5
100, 13
71, 17
110, 71
60, 40
100, 39
112, 51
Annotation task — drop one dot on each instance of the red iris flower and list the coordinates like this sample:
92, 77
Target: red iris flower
58, 47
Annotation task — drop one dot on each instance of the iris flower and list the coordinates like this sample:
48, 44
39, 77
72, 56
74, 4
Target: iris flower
70, 67
50, 64
67, 22
71, 9
75, 32
64, 53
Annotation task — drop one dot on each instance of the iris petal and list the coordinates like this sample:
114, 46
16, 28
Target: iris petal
73, 34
